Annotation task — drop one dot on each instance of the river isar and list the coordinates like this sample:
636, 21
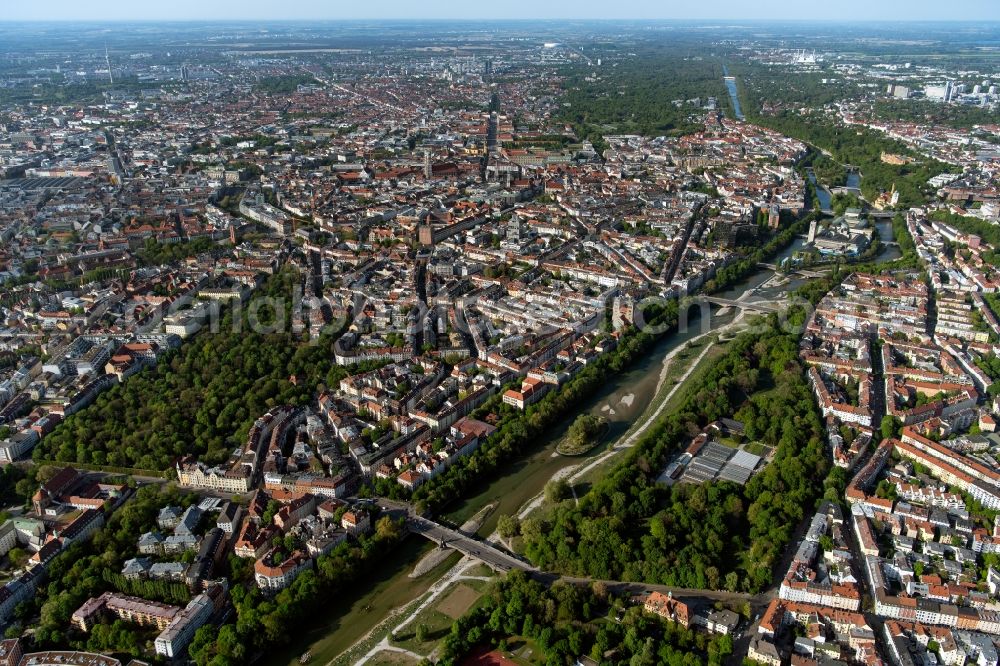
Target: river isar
622, 402
733, 94
822, 194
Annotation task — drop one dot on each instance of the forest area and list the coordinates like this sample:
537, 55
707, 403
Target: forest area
638, 96
200, 399
157, 254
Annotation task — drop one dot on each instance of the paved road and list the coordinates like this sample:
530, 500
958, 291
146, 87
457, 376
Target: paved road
500, 560
799, 271
670, 270
488, 554
636, 588
760, 306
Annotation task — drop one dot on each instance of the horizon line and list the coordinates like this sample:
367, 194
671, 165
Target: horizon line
495, 18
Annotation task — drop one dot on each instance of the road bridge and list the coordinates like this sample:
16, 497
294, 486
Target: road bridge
446, 537
755, 306
804, 272
500, 560
635, 588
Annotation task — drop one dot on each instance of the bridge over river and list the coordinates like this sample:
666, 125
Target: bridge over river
804, 272
754, 306
500, 560
487, 553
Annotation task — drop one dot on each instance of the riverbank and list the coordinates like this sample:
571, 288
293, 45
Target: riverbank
576, 473
631, 401
628, 395
360, 608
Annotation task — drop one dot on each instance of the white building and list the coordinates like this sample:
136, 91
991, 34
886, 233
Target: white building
175, 638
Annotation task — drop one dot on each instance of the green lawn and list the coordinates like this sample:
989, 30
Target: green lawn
523, 650
392, 659
458, 599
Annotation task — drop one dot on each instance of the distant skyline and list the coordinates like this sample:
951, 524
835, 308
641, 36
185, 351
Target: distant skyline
843, 10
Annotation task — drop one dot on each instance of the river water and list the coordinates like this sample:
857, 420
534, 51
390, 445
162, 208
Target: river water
733, 94
822, 194
622, 401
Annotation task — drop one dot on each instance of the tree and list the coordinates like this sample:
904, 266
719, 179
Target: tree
508, 526
386, 528
890, 426
686, 534
556, 490
583, 434
203, 398
422, 633
18, 557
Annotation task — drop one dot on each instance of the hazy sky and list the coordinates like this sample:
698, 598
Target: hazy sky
965, 10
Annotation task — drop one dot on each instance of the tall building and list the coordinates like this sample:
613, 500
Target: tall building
899, 92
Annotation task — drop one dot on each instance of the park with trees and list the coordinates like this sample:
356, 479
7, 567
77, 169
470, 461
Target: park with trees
647, 94
713, 535
564, 622
202, 398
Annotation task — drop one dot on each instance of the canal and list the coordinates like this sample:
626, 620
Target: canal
733, 93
